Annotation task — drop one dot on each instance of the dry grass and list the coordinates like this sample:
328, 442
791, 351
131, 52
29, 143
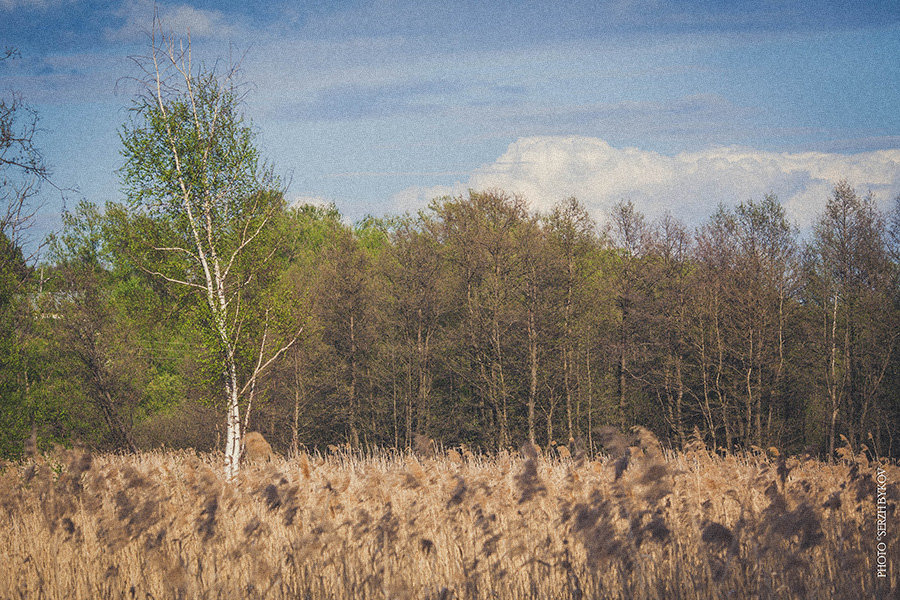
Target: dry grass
256, 448
639, 524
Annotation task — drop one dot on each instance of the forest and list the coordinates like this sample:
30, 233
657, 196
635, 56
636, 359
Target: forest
477, 322
202, 297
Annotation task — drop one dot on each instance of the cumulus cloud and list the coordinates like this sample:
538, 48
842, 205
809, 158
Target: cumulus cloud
690, 185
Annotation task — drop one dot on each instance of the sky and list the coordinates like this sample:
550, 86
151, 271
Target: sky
381, 106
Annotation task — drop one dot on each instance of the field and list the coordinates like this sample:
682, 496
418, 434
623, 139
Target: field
637, 522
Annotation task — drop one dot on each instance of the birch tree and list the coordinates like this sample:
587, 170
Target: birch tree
192, 166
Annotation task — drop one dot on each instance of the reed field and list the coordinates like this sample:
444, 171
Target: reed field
635, 522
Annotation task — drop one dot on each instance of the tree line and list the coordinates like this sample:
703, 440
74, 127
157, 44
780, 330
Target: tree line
475, 321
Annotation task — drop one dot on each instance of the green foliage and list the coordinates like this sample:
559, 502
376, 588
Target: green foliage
14, 421
193, 147
162, 393
13, 272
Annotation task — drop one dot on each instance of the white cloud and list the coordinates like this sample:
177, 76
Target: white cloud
546, 170
182, 19
413, 198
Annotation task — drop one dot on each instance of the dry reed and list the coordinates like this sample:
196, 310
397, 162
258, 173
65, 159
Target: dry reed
639, 523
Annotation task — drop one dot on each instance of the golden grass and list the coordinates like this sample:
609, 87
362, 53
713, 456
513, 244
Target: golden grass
640, 523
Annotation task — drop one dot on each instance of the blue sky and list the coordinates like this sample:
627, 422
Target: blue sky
379, 106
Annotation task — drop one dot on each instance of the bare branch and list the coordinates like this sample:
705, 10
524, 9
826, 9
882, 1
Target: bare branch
274, 357
170, 279
177, 249
243, 245
262, 348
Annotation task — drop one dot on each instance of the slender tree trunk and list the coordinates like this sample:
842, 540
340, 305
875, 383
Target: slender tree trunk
532, 388
567, 366
832, 382
114, 422
679, 398
567, 353
498, 382
549, 415
104, 396
295, 424
394, 397
622, 368
623, 356
704, 371
422, 350
720, 366
295, 434
590, 400
477, 355
409, 406
354, 431
759, 407
420, 377
748, 427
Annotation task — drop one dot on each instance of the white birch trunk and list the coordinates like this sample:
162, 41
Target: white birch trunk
233, 438
205, 245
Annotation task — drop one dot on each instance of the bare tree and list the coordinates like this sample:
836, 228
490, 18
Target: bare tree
570, 232
22, 167
633, 237
851, 288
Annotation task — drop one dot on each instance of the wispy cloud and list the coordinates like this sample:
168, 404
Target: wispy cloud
78, 78
697, 119
690, 184
363, 174
136, 18
347, 103
466, 21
